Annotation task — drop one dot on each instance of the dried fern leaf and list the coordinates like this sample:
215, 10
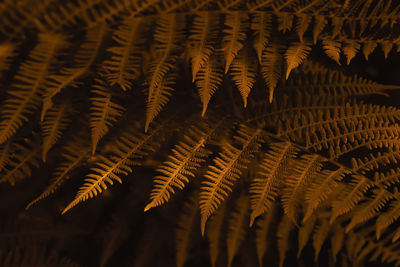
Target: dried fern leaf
237, 227
185, 231
244, 70
295, 55
271, 67
202, 40
235, 34
124, 64
263, 232
226, 170
261, 24
24, 98
104, 112
273, 170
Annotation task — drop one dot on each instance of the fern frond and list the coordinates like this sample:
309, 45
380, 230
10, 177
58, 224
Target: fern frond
187, 157
124, 64
104, 112
237, 227
185, 230
235, 34
55, 122
68, 76
385, 219
24, 98
373, 162
74, 153
368, 48
201, 40
159, 98
304, 233
337, 240
227, 169
214, 233
271, 67
319, 237
303, 21
273, 170
284, 229
263, 232
244, 70
295, 55
7, 50
304, 171
208, 80
332, 49
285, 21
320, 23
130, 146
350, 50
261, 24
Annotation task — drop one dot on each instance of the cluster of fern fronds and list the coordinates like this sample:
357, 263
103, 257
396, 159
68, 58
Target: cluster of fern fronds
218, 95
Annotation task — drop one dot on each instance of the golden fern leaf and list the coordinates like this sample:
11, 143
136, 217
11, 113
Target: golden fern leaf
214, 233
319, 24
159, 98
235, 34
25, 156
324, 183
285, 227
74, 153
350, 49
295, 55
104, 112
368, 48
387, 179
126, 150
386, 47
244, 70
373, 162
208, 79
285, 21
261, 24
273, 170
304, 234
320, 234
185, 231
201, 40
337, 240
55, 122
336, 24
271, 67
237, 227
387, 218
68, 76
227, 169
24, 98
124, 65
303, 21
263, 230
187, 157
332, 49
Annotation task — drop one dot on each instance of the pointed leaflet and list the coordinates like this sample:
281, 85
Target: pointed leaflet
130, 146
159, 98
24, 97
350, 49
237, 227
319, 25
214, 233
303, 172
332, 49
295, 55
185, 231
55, 122
271, 67
244, 70
261, 24
187, 157
368, 48
82, 61
285, 21
304, 234
263, 232
283, 235
235, 34
227, 168
303, 21
124, 64
208, 80
103, 112
319, 236
385, 219
273, 170
202, 40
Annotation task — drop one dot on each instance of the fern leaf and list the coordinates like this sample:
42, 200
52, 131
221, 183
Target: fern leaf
185, 230
74, 153
350, 50
237, 228
124, 64
273, 169
244, 71
261, 24
159, 98
5, 153
285, 227
24, 98
227, 169
285, 21
271, 67
214, 232
319, 25
304, 234
209, 78
304, 170
303, 22
319, 237
387, 218
56, 121
337, 240
187, 157
202, 40
295, 55
104, 112
386, 47
68, 76
263, 232
7, 50
235, 34
129, 147
368, 48
332, 49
